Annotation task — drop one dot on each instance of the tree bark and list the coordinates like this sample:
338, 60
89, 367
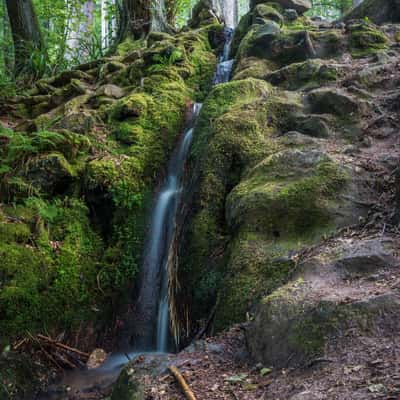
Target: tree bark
139, 17
25, 31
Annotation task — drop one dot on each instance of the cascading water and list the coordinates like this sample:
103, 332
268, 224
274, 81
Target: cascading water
151, 320
224, 67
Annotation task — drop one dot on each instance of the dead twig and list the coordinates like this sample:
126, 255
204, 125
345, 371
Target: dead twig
182, 383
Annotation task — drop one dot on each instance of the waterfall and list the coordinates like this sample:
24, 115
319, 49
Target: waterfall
151, 315
224, 67
151, 321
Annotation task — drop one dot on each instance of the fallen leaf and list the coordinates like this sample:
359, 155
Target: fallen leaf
236, 378
265, 371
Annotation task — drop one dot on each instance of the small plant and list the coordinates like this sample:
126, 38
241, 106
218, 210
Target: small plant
164, 62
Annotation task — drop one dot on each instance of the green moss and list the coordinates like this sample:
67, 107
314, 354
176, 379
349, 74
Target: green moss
307, 75
256, 266
293, 203
55, 271
253, 67
366, 39
62, 262
129, 46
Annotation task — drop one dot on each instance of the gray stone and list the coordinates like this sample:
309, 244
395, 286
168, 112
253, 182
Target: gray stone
378, 11
110, 90
301, 6
290, 14
333, 101
365, 258
128, 387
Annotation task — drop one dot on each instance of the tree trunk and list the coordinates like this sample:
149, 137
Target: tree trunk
80, 25
143, 16
108, 22
25, 31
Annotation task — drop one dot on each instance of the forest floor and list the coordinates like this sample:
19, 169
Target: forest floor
359, 368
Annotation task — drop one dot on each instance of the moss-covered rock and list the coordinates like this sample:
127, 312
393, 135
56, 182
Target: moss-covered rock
127, 387
365, 39
294, 324
293, 203
252, 67
264, 12
334, 101
303, 76
51, 173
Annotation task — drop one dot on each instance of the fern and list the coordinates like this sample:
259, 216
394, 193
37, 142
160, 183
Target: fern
164, 62
45, 140
47, 211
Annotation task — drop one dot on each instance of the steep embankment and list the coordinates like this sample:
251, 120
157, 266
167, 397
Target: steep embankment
81, 155
293, 221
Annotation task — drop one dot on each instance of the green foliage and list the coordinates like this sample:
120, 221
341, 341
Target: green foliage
163, 62
330, 9
50, 267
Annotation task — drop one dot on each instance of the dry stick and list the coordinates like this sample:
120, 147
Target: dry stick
182, 383
20, 343
63, 346
48, 355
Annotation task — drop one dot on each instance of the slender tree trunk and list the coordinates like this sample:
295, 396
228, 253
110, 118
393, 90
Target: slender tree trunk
25, 31
108, 22
80, 25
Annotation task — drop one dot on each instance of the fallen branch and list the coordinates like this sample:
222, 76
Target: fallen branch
63, 346
182, 383
48, 355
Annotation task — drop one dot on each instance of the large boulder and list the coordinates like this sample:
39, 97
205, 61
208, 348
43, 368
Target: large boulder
334, 101
378, 11
50, 173
309, 74
294, 324
301, 6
